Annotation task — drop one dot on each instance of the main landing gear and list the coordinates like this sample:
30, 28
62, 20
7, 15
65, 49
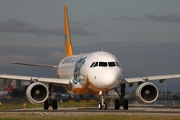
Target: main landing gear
102, 104
121, 102
50, 101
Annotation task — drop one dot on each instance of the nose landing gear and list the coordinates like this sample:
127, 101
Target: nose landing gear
102, 104
119, 102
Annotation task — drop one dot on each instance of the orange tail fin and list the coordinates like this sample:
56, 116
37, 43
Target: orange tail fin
68, 46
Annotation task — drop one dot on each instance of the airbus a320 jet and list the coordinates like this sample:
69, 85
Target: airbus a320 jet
89, 73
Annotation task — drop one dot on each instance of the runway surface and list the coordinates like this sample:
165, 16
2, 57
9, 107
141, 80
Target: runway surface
84, 113
131, 110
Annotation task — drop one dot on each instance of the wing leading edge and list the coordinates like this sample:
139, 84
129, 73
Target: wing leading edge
161, 78
36, 79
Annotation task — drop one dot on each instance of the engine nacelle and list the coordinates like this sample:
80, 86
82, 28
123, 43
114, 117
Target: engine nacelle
37, 92
147, 92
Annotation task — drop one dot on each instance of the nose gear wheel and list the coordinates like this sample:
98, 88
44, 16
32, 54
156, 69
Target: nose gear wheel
102, 104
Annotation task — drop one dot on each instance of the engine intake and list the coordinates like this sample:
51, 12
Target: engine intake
37, 92
147, 92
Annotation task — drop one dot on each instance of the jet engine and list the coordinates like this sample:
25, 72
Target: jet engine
37, 92
147, 92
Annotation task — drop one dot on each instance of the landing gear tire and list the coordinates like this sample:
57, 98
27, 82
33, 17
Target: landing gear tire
100, 106
46, 105
117, 105
126, 106
54, 105
105, 106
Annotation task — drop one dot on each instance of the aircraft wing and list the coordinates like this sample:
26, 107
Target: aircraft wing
161, 78
35, 79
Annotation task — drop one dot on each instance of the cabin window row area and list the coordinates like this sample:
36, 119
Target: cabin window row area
105, 64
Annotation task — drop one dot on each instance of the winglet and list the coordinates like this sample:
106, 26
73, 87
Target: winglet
68, 46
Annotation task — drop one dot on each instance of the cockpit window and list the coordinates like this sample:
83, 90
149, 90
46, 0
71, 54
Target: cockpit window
118, 64
92, 64
96, 64
111, 64
103, 64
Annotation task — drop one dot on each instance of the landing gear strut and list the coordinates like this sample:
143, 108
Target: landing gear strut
102, 104
50, 101
121, 102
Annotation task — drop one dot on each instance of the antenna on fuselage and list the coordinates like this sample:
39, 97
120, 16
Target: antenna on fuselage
102, 49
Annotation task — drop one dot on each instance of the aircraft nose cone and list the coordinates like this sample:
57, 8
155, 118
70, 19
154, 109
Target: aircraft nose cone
110, 78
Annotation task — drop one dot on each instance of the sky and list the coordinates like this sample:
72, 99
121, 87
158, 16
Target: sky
143, 34
40, 23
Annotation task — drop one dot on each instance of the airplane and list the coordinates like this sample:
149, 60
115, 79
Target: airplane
7, 91
88, 73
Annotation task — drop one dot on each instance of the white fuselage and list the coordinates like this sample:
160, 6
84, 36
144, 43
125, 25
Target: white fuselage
91, 73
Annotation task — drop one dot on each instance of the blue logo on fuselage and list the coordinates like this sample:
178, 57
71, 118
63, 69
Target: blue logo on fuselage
77, 69
74, 81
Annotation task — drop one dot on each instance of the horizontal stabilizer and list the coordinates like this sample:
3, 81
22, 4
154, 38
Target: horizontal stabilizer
37, 65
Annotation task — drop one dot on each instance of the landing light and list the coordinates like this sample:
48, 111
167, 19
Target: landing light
100, 92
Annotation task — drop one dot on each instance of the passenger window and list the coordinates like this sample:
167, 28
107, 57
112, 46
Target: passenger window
92, 64
103, 64
111, 64
96, 64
